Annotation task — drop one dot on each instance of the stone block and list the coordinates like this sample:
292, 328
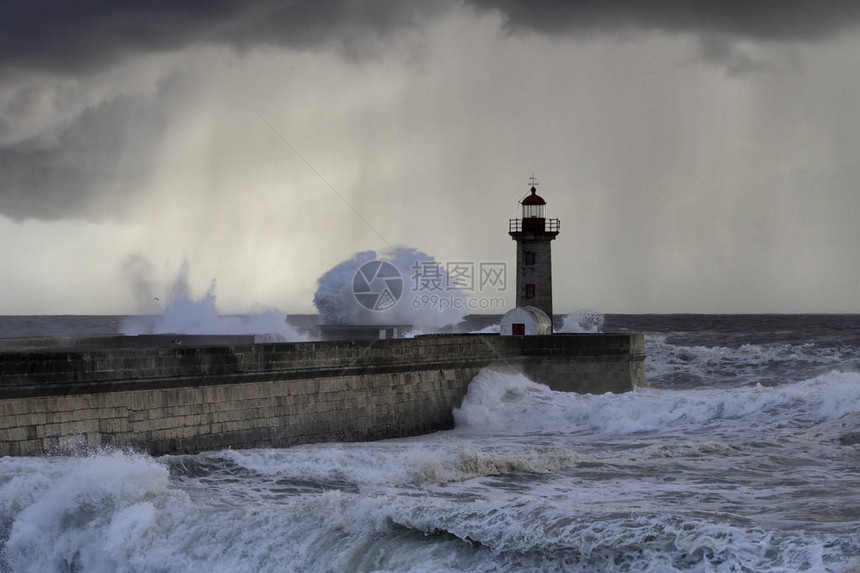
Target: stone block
138, 415
79, 427
16, 434
48, 430
113, 425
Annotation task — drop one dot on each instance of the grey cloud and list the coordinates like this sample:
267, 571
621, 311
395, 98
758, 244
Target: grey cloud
719, 25
97, 163
781, 20
85, 171
734, 59
82, 158
63, 36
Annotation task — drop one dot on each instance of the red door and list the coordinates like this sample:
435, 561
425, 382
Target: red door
518, 328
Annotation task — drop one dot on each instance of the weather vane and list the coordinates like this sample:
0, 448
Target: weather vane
533, 180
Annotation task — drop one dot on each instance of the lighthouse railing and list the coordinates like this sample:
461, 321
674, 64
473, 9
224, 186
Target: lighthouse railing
550, 226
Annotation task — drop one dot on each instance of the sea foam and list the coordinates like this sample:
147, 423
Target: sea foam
392, 464
720, 365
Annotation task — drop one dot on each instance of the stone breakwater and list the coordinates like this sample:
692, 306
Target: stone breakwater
182, 399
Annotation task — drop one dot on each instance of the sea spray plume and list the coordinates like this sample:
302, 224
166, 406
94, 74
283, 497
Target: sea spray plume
489, 329
186, 315
500, 400
137, 271
583, 321
333, 298
422, 305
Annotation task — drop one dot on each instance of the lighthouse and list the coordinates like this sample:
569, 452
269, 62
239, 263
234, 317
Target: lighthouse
534, 234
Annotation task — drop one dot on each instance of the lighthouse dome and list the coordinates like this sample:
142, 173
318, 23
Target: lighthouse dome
534, 199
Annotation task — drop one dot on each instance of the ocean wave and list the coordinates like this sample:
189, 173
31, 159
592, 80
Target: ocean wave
121, 511
538, 533
504, 403
393, 464
666, 363
506, 490
78, 513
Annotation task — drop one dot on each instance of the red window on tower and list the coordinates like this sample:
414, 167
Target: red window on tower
530, 291
518, 328
530, 258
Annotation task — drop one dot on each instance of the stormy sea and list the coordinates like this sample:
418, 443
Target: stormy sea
743, 454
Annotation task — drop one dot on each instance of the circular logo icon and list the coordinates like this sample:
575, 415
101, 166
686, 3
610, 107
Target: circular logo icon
377, 285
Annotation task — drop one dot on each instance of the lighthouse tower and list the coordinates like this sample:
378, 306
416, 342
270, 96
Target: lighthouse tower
533, 234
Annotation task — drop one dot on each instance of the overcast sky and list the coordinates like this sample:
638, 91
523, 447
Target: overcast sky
702, 155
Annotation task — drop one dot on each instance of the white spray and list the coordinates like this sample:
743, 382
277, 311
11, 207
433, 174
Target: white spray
583, 321
426, 300
186, 315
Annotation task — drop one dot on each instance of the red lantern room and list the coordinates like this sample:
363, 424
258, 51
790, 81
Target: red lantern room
534, 206
534, 215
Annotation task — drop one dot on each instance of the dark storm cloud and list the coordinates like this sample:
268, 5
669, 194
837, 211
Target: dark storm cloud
93, 162
88, 163
780, 20
70, 36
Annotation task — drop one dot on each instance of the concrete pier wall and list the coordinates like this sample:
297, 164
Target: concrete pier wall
189, 399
